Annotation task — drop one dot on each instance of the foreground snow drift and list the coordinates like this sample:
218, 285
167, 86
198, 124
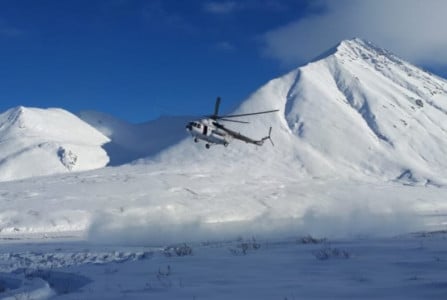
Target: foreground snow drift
401, 267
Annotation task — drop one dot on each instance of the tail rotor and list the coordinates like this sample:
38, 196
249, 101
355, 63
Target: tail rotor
268, 137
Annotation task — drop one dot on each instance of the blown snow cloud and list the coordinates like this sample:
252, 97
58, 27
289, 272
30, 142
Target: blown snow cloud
412, 28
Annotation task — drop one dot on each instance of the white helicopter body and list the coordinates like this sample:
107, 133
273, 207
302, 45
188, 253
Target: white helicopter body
205, 130
214, 133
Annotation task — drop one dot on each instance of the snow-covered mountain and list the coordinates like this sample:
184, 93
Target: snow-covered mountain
355, 111
35, 142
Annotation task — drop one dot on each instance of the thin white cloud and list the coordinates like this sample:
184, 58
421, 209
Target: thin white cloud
412, 29
225, 46
219, 7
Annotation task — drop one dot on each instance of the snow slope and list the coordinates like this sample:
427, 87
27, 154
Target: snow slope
115, 233
36, 142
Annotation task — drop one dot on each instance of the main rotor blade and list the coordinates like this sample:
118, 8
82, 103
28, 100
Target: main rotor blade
250, 114
235, 121
216, 107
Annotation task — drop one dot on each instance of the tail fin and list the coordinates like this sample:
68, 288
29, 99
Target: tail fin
267, 137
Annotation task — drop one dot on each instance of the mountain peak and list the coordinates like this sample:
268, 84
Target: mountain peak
356, 42
16, 111
357, 49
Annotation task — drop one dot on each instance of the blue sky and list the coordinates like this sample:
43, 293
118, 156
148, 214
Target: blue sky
138, 59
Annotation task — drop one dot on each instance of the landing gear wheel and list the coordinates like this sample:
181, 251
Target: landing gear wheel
207, 146
196, 140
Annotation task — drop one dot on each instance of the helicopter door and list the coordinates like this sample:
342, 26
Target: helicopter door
205, 130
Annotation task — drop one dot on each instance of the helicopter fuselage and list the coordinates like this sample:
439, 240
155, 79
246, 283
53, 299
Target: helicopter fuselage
204, 129
210, 130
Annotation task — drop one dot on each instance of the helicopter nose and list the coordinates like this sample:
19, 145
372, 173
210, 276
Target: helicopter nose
189, 127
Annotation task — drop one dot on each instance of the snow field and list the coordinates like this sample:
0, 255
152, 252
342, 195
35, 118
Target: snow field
350, 203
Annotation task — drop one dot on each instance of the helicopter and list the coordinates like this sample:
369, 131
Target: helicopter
210, 130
